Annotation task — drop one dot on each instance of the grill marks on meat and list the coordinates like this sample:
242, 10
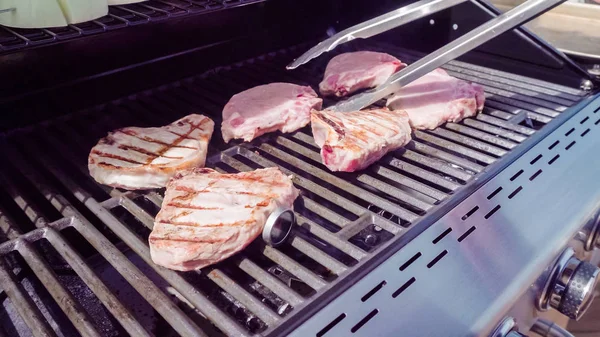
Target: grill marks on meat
208, 216
143, 158
437, 98
267, 108
349, 72
351, 141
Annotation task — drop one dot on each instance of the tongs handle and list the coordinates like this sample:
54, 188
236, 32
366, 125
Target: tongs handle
456, 48
376, 26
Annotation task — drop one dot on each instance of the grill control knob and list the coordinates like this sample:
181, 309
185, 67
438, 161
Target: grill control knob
570, 287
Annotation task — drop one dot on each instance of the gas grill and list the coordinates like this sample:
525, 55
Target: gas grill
463, 229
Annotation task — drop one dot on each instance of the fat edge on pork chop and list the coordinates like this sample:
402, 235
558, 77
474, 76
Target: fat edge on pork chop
143, 158
267, 108
207, 216
352, 141
349, 72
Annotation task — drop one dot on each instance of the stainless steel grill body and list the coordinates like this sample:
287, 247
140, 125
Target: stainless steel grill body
345, 220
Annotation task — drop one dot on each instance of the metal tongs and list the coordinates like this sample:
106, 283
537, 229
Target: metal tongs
498, 25
378, 25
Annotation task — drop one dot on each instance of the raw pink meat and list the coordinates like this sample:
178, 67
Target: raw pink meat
349, 72
267, 108
437, 98
351, 141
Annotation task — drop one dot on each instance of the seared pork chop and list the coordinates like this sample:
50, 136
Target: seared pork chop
351, 141
142, 158
437, 98
267, 108
350, 72
207, 216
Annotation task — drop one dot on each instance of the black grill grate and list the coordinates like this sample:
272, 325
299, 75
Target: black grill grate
118, 17
344, 218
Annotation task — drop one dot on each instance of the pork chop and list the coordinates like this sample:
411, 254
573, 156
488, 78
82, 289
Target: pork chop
267, 108
351, 141
141, 158
437, 98
349, 72
207, 216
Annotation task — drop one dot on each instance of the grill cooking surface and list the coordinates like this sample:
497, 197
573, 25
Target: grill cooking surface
84, 267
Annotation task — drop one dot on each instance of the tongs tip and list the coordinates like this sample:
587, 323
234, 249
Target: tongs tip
297, 62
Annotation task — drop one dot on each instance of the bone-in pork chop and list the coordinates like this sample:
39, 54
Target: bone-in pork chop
267, 108
351, 141
142, 158
437, 98
207, 216
350, 72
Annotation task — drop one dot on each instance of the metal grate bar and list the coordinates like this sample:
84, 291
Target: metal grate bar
110, 301
474, 143
29, 210
338, 243
313, 154
294, 267
510, 126
170, 312
394, 192
199, 301
311, 186
438, 165
416, 171
243, 296
539, 106
344, 185
544, 115
29, 313
185, 288
431, 139
483, 73
308, 203
499, 114
497, 88
63, 298
137, 211
511, 84
314, 228
315, 253
7, 227
119, 17
269, 281
444, 155
493, 130
481, 135
409, 182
